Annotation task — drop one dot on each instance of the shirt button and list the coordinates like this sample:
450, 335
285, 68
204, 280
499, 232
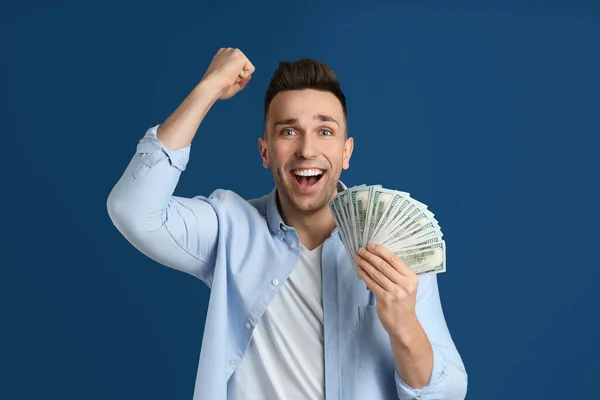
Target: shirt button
231, 362
247, 325
275, 282
293, 245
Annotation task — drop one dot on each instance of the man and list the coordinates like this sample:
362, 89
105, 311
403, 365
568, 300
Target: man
287, 319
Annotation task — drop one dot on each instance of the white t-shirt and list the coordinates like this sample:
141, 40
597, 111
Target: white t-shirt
284, 360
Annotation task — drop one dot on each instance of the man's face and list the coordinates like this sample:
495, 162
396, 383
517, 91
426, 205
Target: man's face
305, 147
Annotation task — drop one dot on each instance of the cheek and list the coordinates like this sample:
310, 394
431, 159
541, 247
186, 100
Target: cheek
279, 154
336, 156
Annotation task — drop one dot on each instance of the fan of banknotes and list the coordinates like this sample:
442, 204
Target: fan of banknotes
372, 214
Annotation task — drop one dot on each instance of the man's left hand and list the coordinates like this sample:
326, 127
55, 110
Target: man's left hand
394, 285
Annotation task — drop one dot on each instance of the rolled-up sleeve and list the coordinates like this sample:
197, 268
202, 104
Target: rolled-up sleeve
448, 377
150, 145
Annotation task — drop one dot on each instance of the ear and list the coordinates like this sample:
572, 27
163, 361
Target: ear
348, 148
262, 149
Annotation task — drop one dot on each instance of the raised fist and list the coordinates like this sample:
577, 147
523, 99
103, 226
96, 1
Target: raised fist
230, 71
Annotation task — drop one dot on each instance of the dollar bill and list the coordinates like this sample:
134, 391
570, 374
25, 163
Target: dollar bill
345, 213
432, 268
401, 231
359, 205
426, 258
391, 216
402, 236
337, 212
379, 202
431, 238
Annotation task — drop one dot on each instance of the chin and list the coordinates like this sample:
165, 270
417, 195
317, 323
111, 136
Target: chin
309, 206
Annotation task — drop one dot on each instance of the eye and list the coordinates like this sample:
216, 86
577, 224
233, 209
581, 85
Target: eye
287, 132
326, 132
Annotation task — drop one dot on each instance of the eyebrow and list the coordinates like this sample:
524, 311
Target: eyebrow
317, 117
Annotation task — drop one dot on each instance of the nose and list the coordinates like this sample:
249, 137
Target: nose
307, 147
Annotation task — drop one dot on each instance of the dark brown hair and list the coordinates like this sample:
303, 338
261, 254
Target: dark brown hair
303, 74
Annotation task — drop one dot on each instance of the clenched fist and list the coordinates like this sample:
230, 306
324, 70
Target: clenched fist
230, 71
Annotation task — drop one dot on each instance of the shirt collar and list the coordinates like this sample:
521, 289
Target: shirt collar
276, 224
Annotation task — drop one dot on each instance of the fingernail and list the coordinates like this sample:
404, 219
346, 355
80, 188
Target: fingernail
372, 246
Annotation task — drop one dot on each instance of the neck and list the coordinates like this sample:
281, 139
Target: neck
312, 228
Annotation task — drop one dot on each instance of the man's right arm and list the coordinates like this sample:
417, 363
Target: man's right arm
177, 232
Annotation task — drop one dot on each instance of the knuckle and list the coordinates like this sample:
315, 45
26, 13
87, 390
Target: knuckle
411, 287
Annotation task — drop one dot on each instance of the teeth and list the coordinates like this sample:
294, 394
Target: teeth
308, 172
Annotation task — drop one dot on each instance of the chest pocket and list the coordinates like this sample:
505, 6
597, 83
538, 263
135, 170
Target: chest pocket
374, 349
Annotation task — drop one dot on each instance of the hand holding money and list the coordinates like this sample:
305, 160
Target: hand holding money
394, 285
375, 215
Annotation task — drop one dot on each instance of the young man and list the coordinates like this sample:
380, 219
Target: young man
287, 318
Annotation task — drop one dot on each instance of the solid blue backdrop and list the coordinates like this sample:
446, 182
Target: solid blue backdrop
488, 113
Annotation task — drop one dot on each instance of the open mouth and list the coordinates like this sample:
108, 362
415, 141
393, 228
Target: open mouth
307, 178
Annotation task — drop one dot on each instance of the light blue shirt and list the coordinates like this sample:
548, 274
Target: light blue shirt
243, 251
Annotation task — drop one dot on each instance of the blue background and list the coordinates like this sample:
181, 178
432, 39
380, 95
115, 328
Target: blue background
487, 112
